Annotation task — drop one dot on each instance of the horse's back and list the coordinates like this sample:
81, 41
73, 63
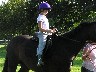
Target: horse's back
22, 47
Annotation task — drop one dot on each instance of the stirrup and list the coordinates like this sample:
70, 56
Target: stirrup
40, 62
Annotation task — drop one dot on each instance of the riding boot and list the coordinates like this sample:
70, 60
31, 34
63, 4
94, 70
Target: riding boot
39, 60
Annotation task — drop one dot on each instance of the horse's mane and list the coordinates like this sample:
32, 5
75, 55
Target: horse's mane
76, 29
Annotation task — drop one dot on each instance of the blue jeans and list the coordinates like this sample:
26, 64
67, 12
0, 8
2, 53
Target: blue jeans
42, 43
83, 69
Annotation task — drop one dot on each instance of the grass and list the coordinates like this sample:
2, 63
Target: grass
2, 56
75, 68
77, 64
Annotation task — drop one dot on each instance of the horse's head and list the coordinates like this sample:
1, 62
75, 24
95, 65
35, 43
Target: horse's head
83, 32
92, 32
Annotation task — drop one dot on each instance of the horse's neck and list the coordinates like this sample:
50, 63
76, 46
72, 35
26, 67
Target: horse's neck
75, 36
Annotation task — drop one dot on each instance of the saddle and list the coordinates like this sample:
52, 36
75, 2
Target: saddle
48, 41
35, 37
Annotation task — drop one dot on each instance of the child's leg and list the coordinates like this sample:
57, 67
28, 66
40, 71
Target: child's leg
42, 43
41, 46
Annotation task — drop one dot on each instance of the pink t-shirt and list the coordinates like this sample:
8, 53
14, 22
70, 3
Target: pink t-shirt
90, 64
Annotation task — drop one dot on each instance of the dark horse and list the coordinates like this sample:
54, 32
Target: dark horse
57, 54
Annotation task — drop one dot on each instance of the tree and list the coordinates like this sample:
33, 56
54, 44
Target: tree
19, 16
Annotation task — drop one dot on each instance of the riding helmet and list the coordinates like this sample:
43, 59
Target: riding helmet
44, 5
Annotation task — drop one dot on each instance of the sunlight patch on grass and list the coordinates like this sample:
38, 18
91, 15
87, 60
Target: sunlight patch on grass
1, 63
76, 69
18, 68
31, 71
2, 60
2, 46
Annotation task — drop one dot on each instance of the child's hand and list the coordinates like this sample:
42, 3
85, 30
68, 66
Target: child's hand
54, 30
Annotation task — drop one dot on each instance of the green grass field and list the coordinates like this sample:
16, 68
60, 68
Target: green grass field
75, 68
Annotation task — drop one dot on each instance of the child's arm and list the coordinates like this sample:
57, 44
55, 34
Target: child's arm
44, 30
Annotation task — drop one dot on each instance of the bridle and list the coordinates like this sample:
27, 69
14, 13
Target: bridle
73, 40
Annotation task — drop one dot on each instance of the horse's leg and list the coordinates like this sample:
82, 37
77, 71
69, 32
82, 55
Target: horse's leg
23, 68
12, 66
12, 63
40, 69
5, 68
50, 67
59, 66
65, 67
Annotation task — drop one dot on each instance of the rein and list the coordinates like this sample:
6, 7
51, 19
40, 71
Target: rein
77, 41
72, 40
73, 58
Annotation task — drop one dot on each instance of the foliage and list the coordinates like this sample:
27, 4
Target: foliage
19, 16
